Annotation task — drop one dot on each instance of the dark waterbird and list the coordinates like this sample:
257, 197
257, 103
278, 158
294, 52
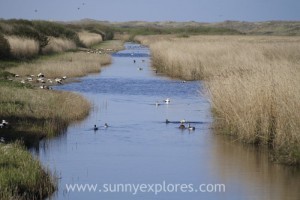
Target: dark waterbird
192, 128
95, 128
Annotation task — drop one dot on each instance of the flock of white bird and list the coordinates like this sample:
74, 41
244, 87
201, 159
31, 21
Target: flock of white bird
40, 78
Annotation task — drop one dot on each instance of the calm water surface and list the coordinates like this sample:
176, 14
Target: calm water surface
140, 148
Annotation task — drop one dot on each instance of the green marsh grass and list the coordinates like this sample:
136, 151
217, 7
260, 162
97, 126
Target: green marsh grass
21, 175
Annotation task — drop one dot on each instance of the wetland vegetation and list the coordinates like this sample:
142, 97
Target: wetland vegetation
35, 55
252, 82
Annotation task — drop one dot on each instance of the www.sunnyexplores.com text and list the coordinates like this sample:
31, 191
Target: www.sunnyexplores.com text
154, 188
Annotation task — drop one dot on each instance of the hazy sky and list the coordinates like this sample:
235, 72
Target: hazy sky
152, 10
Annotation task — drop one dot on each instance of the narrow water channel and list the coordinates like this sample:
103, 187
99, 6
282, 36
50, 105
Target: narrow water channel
138, 147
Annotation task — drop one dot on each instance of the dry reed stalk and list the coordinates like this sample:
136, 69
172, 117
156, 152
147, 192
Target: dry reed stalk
23, 47
89, 39
57, 45
253, 83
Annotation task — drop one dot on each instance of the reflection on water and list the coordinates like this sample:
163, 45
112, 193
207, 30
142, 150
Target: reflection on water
138, 147
249, 167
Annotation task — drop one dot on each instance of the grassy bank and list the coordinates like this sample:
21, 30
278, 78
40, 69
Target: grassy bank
253, 84
21, 175
34, 113
70, 64
27, 49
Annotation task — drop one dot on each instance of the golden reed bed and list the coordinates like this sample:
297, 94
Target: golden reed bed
253, 83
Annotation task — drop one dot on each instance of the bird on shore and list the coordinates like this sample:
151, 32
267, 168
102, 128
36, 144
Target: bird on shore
2, 140
4, 124
40, 75
58, 80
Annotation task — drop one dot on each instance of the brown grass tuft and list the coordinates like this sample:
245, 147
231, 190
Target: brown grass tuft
23, 47
57, 45
89, 39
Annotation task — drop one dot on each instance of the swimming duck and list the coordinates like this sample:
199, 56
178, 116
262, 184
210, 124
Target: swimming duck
157, 104
182, 126
106, 125
167, 121
167, 100
191, 127
95, 128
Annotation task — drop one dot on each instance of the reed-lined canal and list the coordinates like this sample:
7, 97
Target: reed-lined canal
138, 147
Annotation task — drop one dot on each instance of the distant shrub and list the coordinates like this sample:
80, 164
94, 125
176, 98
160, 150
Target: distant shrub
109, 35
4, 48
57, 30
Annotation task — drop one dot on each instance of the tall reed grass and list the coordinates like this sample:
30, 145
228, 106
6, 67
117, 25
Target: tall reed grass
253, 84
58, 45
23, 47
89, 39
